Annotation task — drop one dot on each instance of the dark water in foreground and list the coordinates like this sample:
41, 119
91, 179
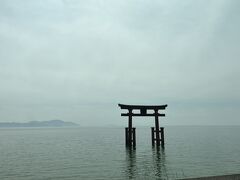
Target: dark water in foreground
100, 153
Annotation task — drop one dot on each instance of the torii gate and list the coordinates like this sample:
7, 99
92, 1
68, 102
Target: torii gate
130, 132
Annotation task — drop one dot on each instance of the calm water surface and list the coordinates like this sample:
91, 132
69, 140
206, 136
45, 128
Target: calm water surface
100, 153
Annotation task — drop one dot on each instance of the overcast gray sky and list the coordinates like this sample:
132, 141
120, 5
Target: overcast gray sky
75, 60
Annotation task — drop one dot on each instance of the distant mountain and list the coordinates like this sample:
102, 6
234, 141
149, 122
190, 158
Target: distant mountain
52, 123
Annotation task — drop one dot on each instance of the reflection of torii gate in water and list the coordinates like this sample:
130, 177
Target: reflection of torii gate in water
130, 132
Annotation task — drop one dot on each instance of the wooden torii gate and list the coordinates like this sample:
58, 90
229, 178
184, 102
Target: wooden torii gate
130, 132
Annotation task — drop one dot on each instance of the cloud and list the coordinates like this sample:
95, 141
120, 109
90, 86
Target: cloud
68, 57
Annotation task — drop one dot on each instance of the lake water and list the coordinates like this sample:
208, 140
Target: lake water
100, 153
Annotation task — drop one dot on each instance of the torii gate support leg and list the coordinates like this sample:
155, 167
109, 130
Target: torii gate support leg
130, 133
157, 129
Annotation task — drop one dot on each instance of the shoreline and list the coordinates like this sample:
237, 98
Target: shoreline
222, 177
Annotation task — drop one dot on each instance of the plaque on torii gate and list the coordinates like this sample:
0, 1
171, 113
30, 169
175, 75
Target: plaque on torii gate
157, 132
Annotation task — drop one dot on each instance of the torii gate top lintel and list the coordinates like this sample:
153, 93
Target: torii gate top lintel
143, 109
124, 106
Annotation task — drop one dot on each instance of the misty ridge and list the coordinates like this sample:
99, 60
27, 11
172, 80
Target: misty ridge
51, 123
